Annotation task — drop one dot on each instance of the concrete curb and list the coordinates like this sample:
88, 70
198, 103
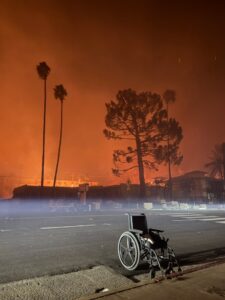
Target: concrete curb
157, 280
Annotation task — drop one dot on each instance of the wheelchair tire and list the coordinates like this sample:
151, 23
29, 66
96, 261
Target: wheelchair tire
128, 250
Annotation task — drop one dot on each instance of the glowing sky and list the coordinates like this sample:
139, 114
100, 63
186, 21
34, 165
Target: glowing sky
95, 48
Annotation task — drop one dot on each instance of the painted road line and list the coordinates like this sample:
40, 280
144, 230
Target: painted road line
201, 217
5, 230
188, 217
70, 226
185, 215
106, 224
213, 219
221, 222
182, 220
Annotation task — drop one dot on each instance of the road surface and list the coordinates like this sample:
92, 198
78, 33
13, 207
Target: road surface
42, 244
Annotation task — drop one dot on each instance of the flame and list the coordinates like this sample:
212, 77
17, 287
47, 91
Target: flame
8, 183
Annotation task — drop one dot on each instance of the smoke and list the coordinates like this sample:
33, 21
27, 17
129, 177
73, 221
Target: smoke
94, 49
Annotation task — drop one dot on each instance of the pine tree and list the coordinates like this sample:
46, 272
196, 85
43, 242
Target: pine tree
139, 119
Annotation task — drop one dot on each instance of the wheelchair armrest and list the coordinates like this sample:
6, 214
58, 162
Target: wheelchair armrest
156, 230
136, 231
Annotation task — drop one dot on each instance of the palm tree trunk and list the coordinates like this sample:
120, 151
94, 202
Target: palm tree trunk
43, 145
60, 142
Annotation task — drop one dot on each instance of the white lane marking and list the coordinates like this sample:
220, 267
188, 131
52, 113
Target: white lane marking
4, 230
205, 219
186, 216
201, 217
184, 213
70, 226
213, 219
183, 220
106, 224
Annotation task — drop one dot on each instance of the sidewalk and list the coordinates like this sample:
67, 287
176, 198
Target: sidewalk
208, 283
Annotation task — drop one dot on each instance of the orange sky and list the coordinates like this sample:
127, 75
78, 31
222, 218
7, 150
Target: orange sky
95, 48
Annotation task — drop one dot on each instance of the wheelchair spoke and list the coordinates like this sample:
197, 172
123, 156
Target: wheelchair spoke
128, 251
129, 243
122, 246
131, 257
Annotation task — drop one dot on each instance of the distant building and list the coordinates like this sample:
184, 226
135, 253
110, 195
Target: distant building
197, 186
96, 193
8, 183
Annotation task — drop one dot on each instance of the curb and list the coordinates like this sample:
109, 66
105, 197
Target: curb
155, 281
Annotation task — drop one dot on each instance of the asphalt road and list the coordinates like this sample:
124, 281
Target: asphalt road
41, 244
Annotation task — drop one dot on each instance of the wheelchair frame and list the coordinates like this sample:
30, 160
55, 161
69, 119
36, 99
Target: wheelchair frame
145, 244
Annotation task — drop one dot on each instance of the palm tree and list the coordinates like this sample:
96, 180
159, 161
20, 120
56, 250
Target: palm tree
216, 165
60, 93
43, 72
169, 97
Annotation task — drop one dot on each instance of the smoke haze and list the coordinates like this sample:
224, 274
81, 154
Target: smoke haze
94, 48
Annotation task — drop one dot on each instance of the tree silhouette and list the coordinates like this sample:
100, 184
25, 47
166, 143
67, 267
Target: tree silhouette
138, 119
59, 93
43, 72
216, 165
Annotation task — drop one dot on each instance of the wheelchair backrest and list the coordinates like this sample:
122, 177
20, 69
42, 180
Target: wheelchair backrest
138, 222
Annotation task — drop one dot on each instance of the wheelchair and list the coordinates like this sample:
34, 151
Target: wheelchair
143, 244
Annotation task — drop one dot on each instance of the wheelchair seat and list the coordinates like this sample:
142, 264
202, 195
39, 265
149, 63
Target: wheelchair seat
139, 223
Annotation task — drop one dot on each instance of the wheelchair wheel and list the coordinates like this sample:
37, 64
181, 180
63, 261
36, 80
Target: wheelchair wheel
128, 251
